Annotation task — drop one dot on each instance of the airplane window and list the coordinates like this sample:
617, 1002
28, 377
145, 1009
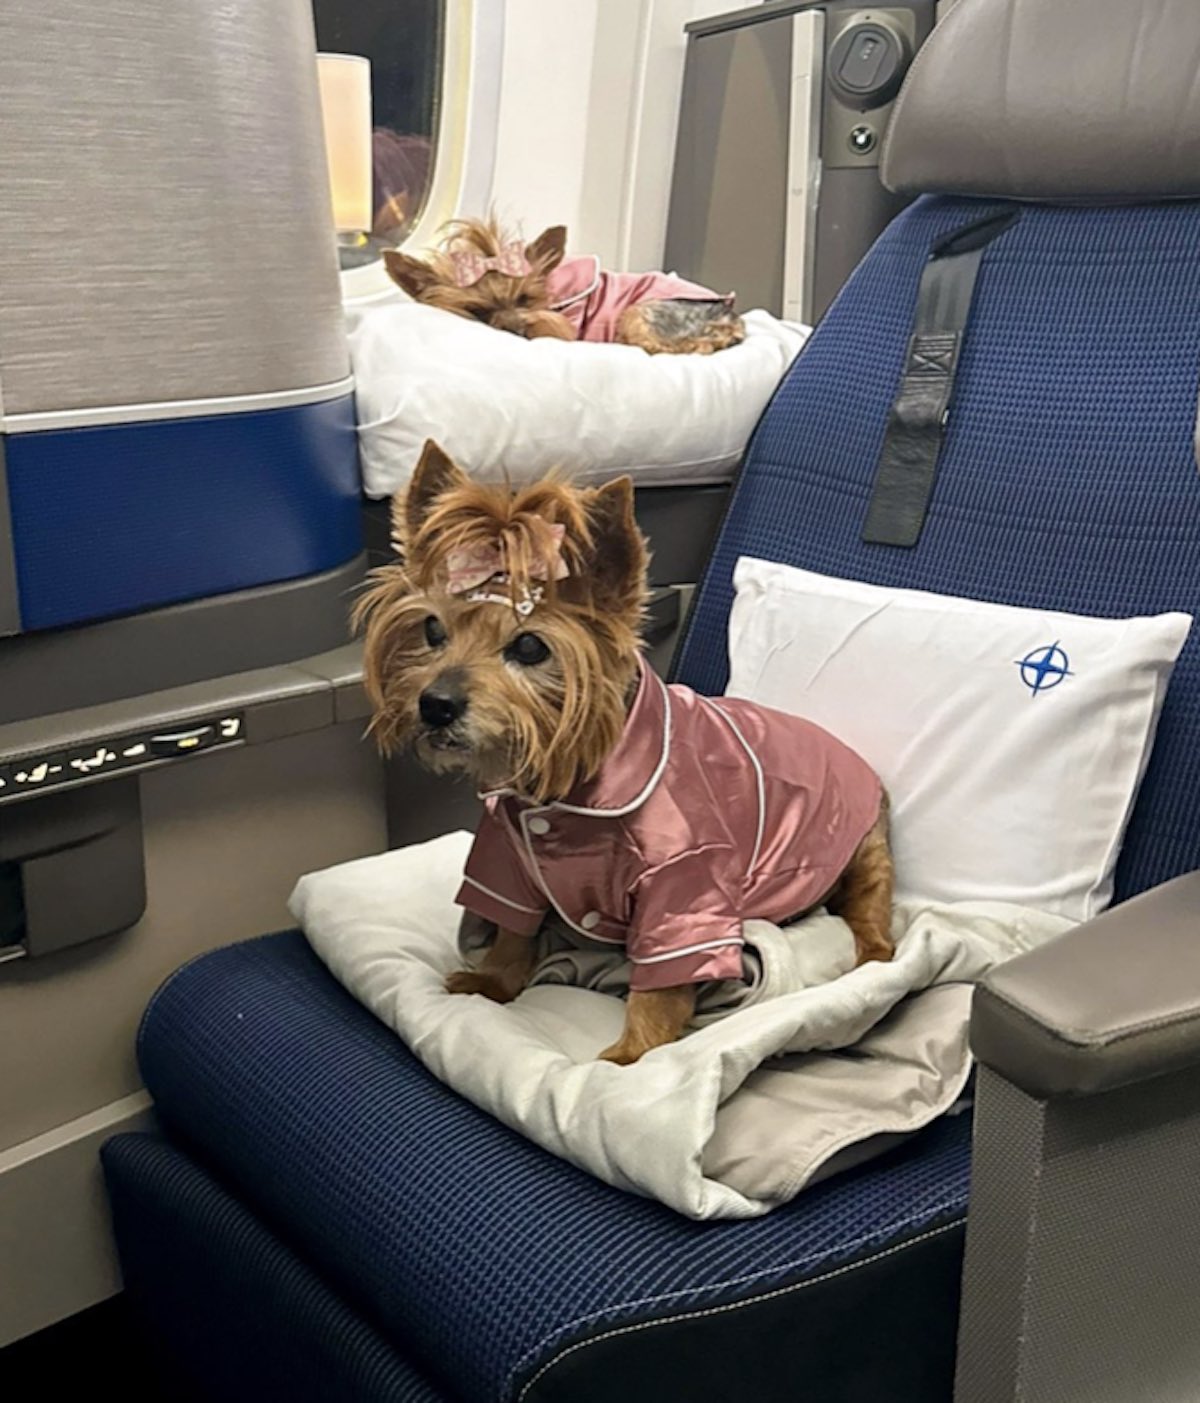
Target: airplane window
404, 41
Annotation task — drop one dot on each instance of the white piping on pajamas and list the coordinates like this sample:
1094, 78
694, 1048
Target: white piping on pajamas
545, 886
495, 895
587, 292
525, 815
509, 793
650, 787
687, 950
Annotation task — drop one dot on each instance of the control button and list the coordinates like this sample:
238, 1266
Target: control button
539, 827
183, 742
862, 140
87, 762
36, 773
867, 63
98, 758
591, 920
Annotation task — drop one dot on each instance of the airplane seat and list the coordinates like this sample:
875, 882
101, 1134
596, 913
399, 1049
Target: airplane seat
319, 1217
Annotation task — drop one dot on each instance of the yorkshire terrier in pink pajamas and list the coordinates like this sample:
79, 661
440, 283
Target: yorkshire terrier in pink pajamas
505, 645
534, 290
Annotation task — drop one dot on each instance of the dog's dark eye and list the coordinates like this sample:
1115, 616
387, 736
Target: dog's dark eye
527, 649
435, 631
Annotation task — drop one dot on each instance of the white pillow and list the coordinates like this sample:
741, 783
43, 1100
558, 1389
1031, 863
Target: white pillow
1012, 741
495, 401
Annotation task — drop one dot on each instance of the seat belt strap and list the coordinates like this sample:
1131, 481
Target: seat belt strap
921, 410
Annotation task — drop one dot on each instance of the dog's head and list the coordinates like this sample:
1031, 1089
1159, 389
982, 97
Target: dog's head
481, 272
505, 644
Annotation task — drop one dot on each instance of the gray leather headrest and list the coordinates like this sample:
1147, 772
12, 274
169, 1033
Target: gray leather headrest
1074, 100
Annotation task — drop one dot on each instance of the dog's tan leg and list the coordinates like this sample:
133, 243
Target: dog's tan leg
863, 897
653, 1018
503, 972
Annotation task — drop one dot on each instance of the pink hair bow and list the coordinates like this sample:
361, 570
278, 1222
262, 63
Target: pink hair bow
470, 266
472, 570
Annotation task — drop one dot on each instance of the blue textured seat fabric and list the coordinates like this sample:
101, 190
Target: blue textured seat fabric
214, 1288
1068, 475
473, 1252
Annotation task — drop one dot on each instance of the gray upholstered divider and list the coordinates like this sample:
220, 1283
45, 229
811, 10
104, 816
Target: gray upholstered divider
165, 229
1083, 1246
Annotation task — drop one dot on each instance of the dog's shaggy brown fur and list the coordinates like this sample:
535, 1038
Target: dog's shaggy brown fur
517, 304
541, 727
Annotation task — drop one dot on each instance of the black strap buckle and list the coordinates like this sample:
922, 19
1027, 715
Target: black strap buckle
921, 410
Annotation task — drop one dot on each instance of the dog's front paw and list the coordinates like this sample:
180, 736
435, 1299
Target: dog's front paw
469, 981
624, 1052
881, 950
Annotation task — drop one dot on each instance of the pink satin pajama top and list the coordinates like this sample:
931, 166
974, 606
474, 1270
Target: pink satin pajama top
593, 300
708, 812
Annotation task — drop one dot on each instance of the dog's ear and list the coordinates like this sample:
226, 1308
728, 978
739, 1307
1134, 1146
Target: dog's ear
546, 251
616, 569
410, 274
436, 474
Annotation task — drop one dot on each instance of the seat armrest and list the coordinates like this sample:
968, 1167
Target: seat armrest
1112, 1002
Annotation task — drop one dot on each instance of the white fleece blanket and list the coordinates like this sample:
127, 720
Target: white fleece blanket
816, 1066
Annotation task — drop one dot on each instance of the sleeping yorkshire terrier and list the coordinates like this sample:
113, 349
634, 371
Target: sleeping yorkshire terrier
480, 271
504, 645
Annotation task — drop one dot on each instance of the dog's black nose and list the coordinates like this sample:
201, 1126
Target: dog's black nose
441, 706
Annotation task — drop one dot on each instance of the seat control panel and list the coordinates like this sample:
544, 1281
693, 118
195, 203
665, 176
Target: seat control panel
100, 757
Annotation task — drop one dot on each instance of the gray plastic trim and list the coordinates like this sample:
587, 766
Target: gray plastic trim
755, 14
66, 669
42, 420
82, 862
681, 524
274, 702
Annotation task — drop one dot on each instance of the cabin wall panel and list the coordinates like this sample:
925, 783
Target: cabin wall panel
588, 110
226, 837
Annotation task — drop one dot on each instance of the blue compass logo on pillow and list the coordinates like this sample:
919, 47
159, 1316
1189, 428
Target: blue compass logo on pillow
1045, 667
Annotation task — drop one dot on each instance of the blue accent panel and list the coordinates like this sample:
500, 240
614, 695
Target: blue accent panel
120, 518
472, 1251
1068, 476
